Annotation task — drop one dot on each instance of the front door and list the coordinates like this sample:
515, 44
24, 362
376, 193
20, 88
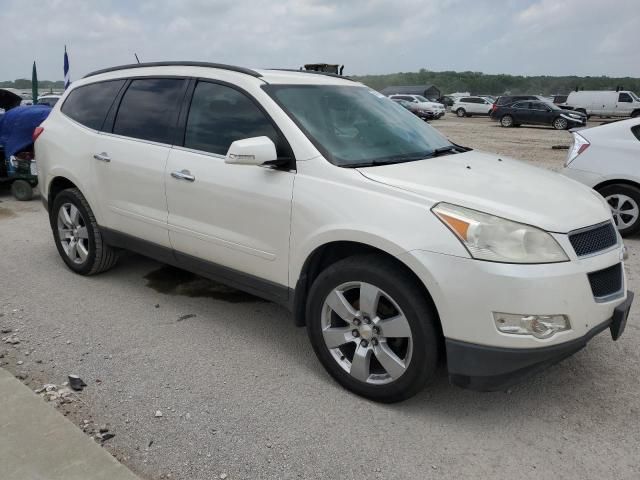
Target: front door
130, 159
221, 215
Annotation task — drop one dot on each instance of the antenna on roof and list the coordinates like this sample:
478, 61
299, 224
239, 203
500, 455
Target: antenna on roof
136, 55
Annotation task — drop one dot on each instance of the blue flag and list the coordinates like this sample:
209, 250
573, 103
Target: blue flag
67, 77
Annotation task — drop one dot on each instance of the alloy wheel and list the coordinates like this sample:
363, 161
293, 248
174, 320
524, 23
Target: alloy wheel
560, 124
506, 121
72, 233
366, 333
624, 209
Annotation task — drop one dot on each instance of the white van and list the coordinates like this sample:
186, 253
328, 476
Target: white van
623, 103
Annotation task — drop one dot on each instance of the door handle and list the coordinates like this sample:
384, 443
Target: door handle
103, 157
183, 175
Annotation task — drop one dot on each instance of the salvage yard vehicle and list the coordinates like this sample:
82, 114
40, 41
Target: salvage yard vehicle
437, 109
467, 106
605, 158
612, 103
537, 113
17, 162
392, 245
414, 108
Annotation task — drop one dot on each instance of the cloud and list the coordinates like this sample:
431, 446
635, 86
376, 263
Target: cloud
583, 37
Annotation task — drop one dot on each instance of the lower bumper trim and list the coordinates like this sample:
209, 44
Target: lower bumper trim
484, 368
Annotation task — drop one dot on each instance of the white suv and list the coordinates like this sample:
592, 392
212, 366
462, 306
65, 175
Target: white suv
391, 244
467, 106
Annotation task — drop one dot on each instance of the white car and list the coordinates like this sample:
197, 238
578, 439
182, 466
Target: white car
606, 158
623, 103
392, 245
468, 106
438, 109
50, 99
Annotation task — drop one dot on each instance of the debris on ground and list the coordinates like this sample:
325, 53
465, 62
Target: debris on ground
186, 317
560, 147
11, 339
158, 414
76, 383
52, 393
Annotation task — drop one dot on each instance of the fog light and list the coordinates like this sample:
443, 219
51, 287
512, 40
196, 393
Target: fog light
540, 326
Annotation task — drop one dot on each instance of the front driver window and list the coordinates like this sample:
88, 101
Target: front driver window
220, 115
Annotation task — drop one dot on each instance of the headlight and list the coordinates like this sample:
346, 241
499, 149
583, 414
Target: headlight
496, 239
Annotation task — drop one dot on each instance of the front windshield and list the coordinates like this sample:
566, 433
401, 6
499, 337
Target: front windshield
552, 105
421, 98
356, 126
635, 97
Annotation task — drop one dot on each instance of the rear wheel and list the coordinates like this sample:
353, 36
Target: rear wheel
506, 121
560, 123
77, 236
372, 328
21, 190
624, 201
635, 114
461, 112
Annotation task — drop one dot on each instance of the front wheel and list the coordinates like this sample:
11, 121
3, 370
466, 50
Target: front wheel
624, 201
560, 123
461, 112
77, 236
372, 328
506, 121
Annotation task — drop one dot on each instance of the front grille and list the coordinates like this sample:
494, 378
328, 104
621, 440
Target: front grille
594, 239
606, 282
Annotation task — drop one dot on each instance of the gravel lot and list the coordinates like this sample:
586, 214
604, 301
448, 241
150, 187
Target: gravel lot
241, 392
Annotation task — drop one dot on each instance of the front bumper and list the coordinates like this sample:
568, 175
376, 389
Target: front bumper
484, 368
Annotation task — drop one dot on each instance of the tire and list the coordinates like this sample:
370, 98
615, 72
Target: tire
403, 299
624, 201
560, 123
21, 190
461, 112
635, 113
89, 254
506, 121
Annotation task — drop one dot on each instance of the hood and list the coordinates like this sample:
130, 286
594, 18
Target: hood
430, 105
500, 186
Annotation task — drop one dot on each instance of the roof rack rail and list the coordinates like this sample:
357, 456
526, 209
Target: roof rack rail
221, 66
313, 72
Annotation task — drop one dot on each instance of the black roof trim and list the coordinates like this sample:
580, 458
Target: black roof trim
220, 66
313, 72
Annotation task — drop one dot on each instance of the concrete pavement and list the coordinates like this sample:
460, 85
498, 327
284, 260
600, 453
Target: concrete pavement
37, 442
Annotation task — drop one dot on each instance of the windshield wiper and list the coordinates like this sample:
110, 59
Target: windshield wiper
445, 150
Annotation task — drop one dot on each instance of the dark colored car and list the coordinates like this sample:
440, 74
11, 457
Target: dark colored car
415, 109
537, 113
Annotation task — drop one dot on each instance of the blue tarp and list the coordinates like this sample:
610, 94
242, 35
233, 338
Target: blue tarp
17, 126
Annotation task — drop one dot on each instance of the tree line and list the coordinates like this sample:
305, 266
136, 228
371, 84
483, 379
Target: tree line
25, 84
501, 84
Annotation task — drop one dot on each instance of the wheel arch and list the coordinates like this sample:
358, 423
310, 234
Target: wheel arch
56, 185
606, 183
327, 254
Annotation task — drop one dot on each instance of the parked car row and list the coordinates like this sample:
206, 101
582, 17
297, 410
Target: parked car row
535, 112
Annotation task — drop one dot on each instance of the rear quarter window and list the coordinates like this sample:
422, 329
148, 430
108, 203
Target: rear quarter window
89, 104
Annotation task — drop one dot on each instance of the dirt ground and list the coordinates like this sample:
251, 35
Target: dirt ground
243, 396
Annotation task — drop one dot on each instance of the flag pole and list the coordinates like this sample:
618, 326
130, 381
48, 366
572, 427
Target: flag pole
34, 84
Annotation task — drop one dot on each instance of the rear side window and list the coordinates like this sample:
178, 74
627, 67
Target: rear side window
466, 100
220, 115
89, 105
149, 108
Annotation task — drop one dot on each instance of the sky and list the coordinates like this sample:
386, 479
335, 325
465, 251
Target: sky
524, 37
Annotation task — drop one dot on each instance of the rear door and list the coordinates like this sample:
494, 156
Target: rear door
521, 112
229, 220
130, 159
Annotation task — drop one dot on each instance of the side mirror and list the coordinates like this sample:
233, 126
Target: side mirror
251, 151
